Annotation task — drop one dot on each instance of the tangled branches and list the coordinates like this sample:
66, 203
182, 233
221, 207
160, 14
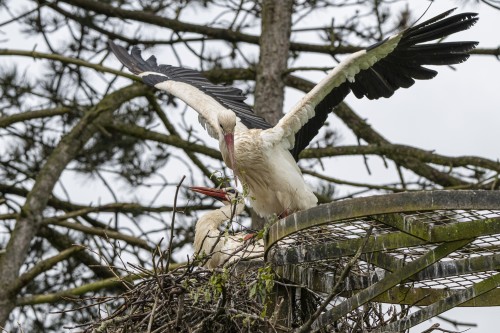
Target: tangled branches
195, 299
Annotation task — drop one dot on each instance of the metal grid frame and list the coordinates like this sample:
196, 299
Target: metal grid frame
312, 245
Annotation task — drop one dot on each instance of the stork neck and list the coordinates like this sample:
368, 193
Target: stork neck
216, 218
211, 221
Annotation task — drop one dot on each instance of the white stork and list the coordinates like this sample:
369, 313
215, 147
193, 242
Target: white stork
264, 157
219, 248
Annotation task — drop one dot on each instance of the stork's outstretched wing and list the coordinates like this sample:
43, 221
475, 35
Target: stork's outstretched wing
375, 72
190, 86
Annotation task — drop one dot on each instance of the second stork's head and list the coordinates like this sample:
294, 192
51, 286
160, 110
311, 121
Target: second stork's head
227, 125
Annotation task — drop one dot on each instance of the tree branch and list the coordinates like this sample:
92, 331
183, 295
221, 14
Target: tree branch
81, 290
62, 242
218, 33
274, 48
403, 151
31, 215
29, 115
75, 210
173, 132
145, 134
67, 60
365, 132
105, 233
45, 265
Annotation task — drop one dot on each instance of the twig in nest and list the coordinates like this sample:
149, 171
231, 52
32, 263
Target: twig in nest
174, 210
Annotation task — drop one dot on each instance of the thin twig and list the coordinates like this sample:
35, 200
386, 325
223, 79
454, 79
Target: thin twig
306, 327
174, 210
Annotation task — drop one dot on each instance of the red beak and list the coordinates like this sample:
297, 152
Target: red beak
229, 138
215, 193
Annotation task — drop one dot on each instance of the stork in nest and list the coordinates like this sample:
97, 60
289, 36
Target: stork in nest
219, 248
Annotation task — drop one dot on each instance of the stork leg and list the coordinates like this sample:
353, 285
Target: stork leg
248, 236
284, 214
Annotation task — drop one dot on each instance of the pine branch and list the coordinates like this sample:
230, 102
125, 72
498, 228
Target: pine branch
67, 60
145, 134
78, 291
45, 265
31, 215
219, 33
105, 233
29, 115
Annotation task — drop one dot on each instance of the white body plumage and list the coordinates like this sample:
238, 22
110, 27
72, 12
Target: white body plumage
220, 248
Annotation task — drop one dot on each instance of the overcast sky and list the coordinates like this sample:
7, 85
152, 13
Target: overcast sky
456, 113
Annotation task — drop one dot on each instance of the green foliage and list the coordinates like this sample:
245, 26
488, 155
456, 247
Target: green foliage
263, 286
217, 283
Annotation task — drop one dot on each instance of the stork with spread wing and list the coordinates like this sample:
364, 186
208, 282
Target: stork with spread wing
264, 157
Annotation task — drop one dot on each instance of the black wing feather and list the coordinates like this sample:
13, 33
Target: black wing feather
409, 56
399, 69
231, 97
312, 127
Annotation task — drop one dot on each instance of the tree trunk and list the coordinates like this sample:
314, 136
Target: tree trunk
274, 48
30, 219
270, 94
269, 83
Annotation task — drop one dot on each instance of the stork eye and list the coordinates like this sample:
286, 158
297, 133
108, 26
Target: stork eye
231, 190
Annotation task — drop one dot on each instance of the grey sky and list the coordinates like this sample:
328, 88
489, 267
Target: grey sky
456, 113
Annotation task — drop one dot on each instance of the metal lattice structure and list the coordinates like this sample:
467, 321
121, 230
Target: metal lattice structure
438, 249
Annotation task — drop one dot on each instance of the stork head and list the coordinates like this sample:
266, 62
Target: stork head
225, 195
227, 124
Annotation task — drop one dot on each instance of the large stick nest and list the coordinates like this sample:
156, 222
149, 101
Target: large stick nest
195, 299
